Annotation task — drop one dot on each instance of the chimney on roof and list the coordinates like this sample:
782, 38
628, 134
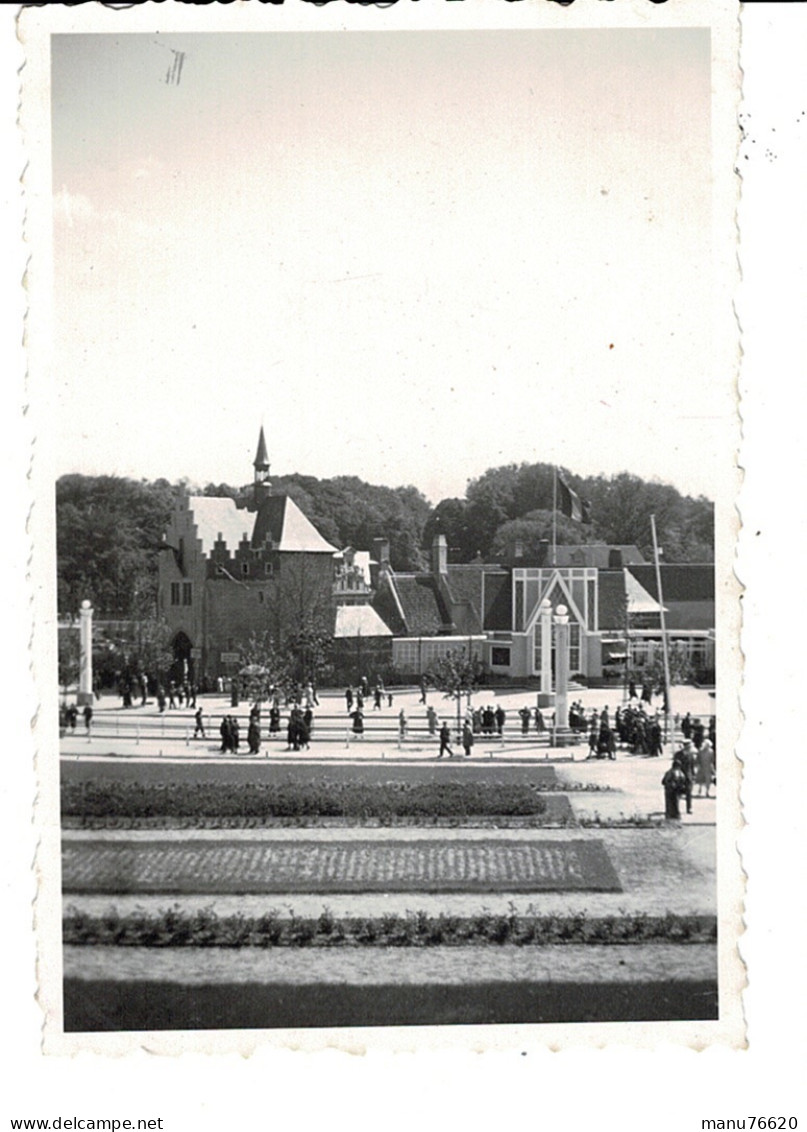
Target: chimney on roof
439, 556
615, 558
381, 551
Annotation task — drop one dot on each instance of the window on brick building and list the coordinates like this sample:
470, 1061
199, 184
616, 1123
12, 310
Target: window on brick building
175, 593
244, 568
187, 593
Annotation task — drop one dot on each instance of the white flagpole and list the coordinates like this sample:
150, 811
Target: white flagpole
555, 516
667, 696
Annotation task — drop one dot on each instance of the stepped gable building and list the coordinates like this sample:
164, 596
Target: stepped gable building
227, 572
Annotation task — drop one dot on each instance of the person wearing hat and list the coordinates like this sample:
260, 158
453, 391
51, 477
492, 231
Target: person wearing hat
686, 760
674, 783
705, 767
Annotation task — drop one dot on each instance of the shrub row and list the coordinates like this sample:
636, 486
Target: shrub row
299, 799
175, 928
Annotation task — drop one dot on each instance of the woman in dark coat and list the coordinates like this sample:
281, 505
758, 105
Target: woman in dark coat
674, 783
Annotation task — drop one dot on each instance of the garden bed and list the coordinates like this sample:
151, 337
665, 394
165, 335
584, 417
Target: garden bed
174, 928
107, 799
557, 813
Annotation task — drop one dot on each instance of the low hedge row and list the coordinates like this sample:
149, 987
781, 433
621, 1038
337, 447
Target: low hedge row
298, 799
175, 928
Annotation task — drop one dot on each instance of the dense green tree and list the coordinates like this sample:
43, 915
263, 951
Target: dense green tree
451, 518
533, 530
108, 534
620, 507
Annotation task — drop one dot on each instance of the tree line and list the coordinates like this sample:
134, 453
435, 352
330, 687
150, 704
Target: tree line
109, 529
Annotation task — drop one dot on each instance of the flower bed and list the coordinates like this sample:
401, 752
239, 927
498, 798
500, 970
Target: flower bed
174, 928
293, 800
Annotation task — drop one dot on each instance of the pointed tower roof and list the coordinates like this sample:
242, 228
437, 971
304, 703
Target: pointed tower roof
261, 461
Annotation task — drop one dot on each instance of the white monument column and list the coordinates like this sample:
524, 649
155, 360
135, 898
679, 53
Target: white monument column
561, 676
85, 694
545, 614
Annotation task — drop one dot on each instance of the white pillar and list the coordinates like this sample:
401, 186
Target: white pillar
561, 674
85, 694
545, 613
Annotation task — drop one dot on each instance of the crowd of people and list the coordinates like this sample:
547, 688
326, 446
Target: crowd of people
68, 717
355, 698
634, 728
691, 766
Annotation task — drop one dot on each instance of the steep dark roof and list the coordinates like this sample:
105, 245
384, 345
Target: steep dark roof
423, 608
498, 601
600, 556
386, 606
611, 600
679, 581
465, 585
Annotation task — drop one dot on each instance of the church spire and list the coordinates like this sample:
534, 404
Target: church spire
261, 461
261, 466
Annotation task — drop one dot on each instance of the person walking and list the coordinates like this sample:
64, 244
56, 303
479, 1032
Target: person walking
254, 735
698, 733
358, 722
705, 767
403, 725
467, 738
199, 729
654, 737
674, 786
431, 720
500, 717
423, 689
686, 759
88, 718
445, 741
349, 700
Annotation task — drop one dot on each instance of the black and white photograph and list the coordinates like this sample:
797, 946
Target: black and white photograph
391, 431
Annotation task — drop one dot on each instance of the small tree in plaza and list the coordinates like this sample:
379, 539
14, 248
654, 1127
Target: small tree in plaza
263, 667
456, 674
144, 647
69, 659
681, 671
307, 652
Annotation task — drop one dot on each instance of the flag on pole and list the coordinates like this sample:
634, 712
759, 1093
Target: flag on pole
572, 506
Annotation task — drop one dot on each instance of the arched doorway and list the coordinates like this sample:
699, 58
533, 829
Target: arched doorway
182, 668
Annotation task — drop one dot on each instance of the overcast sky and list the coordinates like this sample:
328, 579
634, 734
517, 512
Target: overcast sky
412, 256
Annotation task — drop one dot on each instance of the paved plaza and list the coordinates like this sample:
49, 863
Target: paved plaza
606, 852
